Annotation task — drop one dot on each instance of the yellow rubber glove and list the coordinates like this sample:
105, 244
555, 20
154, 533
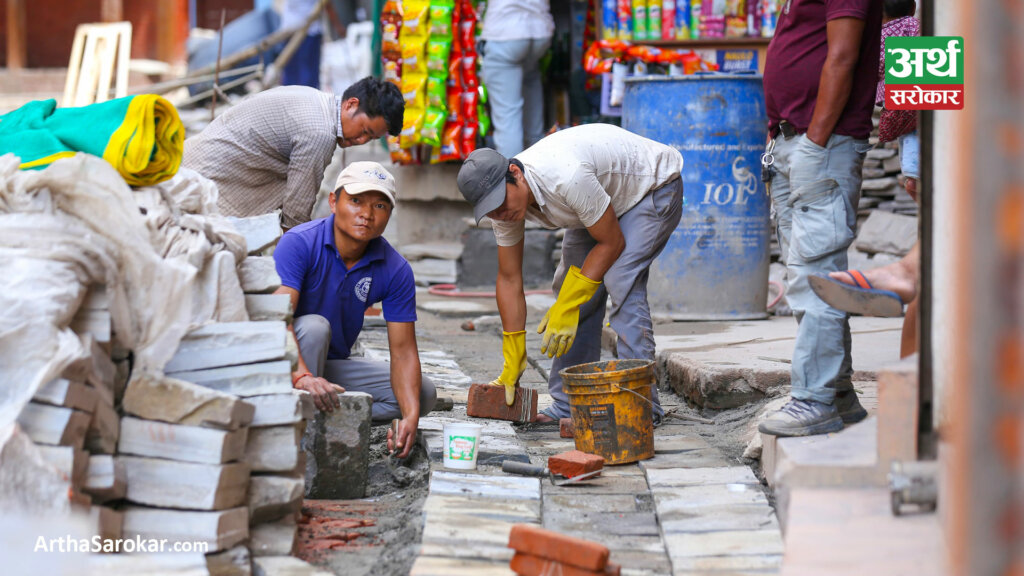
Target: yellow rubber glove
513, 348
560, 323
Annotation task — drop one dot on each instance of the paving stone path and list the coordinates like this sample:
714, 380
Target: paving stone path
689, 510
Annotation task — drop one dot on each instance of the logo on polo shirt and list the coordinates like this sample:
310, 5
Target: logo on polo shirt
363, 288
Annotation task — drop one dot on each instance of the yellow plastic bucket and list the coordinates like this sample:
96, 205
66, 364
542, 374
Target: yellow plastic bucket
611, 408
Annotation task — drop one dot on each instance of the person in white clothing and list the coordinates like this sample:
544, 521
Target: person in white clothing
619, 196
515, 36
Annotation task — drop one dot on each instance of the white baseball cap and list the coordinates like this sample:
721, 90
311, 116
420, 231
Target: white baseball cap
359, 177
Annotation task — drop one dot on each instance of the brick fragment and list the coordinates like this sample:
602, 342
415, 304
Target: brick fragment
530, 565
560, 548
486, 401
574, 463
565, 428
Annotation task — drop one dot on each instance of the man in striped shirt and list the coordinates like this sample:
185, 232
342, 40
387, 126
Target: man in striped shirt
269, 152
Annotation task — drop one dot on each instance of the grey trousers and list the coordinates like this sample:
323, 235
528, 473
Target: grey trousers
313, 333
646, 228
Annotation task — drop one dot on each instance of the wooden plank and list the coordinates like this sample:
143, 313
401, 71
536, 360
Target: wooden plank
67, 393
186, 485
17, 29
185, 443
74, 68
53, 425
124, 55
221, 529
111, 10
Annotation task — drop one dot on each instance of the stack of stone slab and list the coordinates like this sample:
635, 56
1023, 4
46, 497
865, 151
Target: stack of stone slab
74, 424
433, 263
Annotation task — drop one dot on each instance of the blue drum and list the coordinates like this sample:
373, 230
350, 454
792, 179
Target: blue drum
715, 265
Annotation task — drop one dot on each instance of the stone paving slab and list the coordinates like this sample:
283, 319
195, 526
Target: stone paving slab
724, 543
467, 536
527, 511
572, 521
699, 476
604, 503
484, 486
639, 563
678, 442
439, 566
701, 458
669, 499
707, 518
721, 565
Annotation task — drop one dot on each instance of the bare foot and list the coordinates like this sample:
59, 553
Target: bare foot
543, 418
910, 184
897, 277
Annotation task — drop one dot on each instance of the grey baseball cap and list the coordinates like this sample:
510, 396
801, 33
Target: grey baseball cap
482, 180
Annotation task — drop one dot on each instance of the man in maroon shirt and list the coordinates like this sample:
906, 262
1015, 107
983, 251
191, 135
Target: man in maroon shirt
819, 84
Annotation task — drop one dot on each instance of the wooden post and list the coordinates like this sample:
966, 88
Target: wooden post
17, 26
111, 11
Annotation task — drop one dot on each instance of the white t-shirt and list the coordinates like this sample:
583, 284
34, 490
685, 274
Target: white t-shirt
517, 20
574, 174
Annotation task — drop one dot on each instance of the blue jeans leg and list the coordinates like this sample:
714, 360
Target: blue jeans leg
816, 221
512, 76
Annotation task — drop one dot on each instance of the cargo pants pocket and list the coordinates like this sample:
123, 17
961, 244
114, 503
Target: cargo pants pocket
819, 220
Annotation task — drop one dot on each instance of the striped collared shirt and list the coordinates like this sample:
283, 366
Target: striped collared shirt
269, 152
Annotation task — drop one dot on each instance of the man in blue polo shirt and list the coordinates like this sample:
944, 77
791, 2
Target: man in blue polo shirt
334, 269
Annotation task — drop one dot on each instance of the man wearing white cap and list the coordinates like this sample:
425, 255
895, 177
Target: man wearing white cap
334, 269
619, 197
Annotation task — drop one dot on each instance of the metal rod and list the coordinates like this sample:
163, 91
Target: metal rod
164, 87
226, 86
216, 68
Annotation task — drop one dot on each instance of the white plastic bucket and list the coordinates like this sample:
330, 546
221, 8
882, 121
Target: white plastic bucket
461, 445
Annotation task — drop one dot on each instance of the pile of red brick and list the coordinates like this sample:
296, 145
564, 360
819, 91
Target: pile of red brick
542, 552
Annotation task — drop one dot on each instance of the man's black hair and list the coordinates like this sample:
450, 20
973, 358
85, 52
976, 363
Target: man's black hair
899, 8
509, 177
378, 98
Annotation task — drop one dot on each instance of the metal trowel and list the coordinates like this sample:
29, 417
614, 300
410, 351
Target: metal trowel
524, 469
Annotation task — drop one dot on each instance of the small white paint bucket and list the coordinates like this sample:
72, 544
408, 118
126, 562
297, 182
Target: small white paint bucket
461, 445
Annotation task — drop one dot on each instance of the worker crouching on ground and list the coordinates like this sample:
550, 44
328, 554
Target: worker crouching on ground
619, 196
334, 269
269, 151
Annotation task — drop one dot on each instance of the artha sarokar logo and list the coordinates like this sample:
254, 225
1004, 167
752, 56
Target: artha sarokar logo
924, 73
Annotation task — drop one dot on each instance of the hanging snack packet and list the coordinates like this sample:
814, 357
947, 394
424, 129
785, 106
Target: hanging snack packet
451, 142
441, 18
467, 109
392, 70
415, 18
467, 34
469, 135
455, 69
389, 45
414, 90
437, 93
433, 125
454, 102
399, 155
470, 80
413, 57
437, 56
412, 122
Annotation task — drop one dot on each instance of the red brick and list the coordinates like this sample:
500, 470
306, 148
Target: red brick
530, 565
565, 428
486, 401
560, 548
574, 463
